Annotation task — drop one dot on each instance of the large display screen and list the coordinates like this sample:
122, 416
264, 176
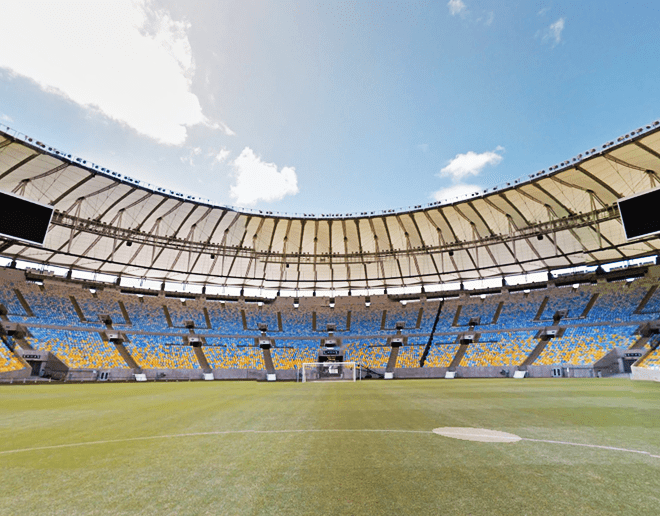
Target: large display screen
24, 220
640, 214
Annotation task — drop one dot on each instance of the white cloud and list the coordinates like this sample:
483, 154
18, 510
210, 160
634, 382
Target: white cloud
222, 155
458, 190
124, 58
190, 158
470, 164
6, 118
257, 180
223, 127
556, 30
463, 166
553, 33
456, 7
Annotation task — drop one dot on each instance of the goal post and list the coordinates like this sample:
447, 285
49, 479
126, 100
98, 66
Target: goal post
329, 371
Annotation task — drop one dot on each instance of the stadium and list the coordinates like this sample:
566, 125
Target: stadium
121, 303
534, 278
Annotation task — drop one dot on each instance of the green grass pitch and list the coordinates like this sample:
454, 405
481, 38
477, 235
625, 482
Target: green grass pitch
185, 448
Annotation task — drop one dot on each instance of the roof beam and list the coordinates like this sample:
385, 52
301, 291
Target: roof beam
18, 165
300, 249
59, 168
424, 244
409, 247
441, 243
389, 240
74, 187
602, 183
120, 199
160, 203
97, 192
647, 149
623, 163
474, 263
379, 257
270, 249
554, 199
240, 244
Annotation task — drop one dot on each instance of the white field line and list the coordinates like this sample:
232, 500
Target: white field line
611, 448
231, 432
198, 434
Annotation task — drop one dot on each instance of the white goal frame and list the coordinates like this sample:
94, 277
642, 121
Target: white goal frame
353, 366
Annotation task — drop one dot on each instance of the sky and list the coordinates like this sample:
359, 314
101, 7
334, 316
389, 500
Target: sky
325, 107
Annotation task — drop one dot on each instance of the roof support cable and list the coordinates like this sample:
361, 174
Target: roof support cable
476, 237
551, 218
154, 231
595, 217
512, 231
78, 204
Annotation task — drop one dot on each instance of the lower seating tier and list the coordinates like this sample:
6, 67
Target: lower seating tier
161, 352
234, 357
586, 345
500, 349
653, 360
77, 349
8, 361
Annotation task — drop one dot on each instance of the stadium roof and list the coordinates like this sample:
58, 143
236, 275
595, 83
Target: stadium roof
108, 223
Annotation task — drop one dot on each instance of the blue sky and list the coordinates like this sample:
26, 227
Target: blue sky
328, 107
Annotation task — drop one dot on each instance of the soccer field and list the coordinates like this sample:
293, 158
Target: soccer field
587, 447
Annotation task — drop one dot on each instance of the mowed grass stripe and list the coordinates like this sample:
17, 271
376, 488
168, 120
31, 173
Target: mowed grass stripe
325, 472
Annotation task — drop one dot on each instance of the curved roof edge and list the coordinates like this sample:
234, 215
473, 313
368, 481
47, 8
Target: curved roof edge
93, 167
106, 223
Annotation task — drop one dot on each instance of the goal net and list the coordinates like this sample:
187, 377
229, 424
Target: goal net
329, 371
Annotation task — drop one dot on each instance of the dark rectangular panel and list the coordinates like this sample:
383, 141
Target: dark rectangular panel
24, 220
640, 214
